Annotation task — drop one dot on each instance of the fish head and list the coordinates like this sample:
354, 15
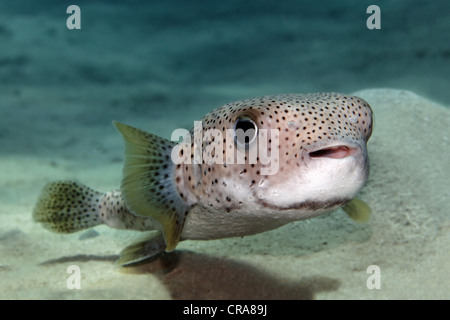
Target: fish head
303, 153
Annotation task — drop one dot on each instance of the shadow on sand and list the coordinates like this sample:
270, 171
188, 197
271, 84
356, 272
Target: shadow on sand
189, 275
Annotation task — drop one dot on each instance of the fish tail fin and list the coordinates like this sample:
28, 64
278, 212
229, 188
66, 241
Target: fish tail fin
67, 206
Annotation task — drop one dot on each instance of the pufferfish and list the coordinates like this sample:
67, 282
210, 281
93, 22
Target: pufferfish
198, 189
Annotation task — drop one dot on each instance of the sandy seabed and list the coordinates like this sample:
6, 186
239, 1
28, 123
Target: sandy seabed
408, 236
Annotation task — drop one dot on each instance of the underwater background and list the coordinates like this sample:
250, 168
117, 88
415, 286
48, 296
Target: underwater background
161, 65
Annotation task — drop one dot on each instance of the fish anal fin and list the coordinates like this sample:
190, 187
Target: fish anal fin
151, 247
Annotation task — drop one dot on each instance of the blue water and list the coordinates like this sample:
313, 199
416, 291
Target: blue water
260, 45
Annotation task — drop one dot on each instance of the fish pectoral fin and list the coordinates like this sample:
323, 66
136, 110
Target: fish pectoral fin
358, 210
148, 182
145, 249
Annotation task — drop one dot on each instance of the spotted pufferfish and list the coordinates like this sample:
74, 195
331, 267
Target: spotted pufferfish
321, 163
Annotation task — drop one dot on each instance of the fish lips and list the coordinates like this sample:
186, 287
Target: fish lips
353, 151
340, 151
337, 149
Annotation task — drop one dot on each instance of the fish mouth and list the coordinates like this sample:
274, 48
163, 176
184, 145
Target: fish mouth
334, 152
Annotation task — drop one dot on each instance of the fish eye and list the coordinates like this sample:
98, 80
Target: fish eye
245, 132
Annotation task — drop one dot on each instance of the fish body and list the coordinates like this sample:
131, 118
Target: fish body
247, 167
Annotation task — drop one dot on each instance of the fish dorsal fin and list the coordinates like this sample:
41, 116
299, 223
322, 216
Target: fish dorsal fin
358, 210
148, 184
